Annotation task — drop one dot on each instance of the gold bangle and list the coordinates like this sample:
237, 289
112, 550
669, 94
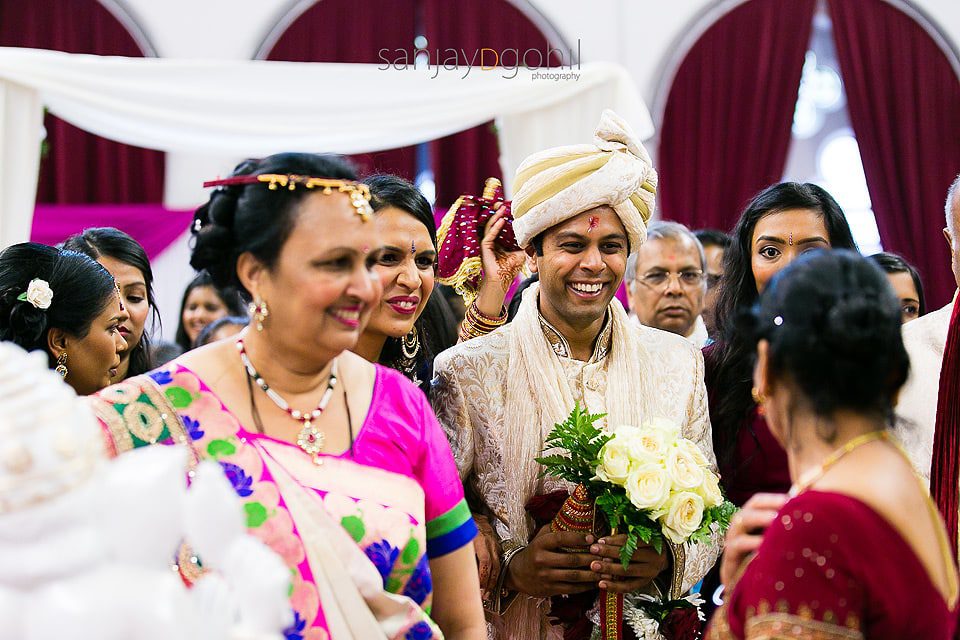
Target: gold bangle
510, 549
475, 324
480, 316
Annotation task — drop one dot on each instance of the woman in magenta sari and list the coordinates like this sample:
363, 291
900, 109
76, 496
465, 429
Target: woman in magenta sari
858, 550
341, 465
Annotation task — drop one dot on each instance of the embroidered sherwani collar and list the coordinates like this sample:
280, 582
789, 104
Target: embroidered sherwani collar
562, 348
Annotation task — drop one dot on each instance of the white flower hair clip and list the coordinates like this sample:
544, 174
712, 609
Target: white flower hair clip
38, 293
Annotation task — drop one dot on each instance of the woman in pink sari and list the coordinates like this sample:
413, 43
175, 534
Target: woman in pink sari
859, 549
341, 464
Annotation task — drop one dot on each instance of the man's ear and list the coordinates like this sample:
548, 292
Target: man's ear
531, 258
57, 341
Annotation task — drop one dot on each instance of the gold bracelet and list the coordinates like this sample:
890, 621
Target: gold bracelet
510, 549
476, 324
480, 316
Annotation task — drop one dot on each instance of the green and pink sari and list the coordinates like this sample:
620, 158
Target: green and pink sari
356, 532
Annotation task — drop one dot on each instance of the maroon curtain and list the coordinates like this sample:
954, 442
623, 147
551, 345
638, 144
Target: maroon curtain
726, 126
77, 166
904, 102
461, 162
335, 31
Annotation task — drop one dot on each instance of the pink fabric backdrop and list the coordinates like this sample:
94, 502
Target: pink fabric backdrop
151, 225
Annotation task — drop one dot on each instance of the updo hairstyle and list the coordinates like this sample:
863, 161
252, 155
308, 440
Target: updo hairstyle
81, 288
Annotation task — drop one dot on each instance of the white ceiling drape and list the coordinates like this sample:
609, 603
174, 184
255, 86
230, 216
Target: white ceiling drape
253, 108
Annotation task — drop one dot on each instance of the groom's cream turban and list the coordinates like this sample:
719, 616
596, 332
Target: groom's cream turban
557, 184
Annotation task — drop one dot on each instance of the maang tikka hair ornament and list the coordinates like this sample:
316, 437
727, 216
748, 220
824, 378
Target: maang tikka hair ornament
359, 193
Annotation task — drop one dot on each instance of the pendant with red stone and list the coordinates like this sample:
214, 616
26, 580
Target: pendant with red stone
310, 439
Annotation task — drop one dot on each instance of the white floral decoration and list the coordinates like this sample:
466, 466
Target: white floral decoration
38, 293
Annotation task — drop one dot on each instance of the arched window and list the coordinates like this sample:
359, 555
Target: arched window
730, 107
78, 167
824, 148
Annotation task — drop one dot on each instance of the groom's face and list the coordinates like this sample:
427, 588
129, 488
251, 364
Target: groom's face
581, 268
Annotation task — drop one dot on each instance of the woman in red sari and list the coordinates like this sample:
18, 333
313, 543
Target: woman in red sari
859, 549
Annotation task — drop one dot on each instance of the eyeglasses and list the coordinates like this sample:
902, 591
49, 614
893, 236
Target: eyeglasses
660, 279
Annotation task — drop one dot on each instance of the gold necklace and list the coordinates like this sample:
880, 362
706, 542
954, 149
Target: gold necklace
804, 483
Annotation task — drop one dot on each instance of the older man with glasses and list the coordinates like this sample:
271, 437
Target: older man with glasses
667, 281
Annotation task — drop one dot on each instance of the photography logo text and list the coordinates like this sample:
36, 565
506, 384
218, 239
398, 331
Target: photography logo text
551, 63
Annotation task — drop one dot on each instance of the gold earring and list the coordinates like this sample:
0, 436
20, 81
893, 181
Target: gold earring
759, 399
61, 367
258, 309
410, 344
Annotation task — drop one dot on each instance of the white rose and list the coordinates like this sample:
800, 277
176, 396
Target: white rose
710, 490
669, 428
648, 486
615, 461
683, 468
39, 294
683, 517
695, 452
648, 445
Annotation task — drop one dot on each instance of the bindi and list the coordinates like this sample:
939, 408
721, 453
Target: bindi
594, 222
790, 240
413, 247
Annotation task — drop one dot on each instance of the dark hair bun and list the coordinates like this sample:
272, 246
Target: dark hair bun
213, 229
213, 234
81, 288
853, 325
25, 323
833, 324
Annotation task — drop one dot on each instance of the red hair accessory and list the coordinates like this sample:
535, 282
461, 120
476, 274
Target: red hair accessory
459, 236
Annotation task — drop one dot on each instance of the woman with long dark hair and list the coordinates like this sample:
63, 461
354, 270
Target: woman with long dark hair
781, 223
204, 302
66, 305
410, 326
127, 261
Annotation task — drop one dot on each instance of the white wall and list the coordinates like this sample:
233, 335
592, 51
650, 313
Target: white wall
645, 36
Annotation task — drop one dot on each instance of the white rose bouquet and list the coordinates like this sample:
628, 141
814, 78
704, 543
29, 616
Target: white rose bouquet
648, 480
